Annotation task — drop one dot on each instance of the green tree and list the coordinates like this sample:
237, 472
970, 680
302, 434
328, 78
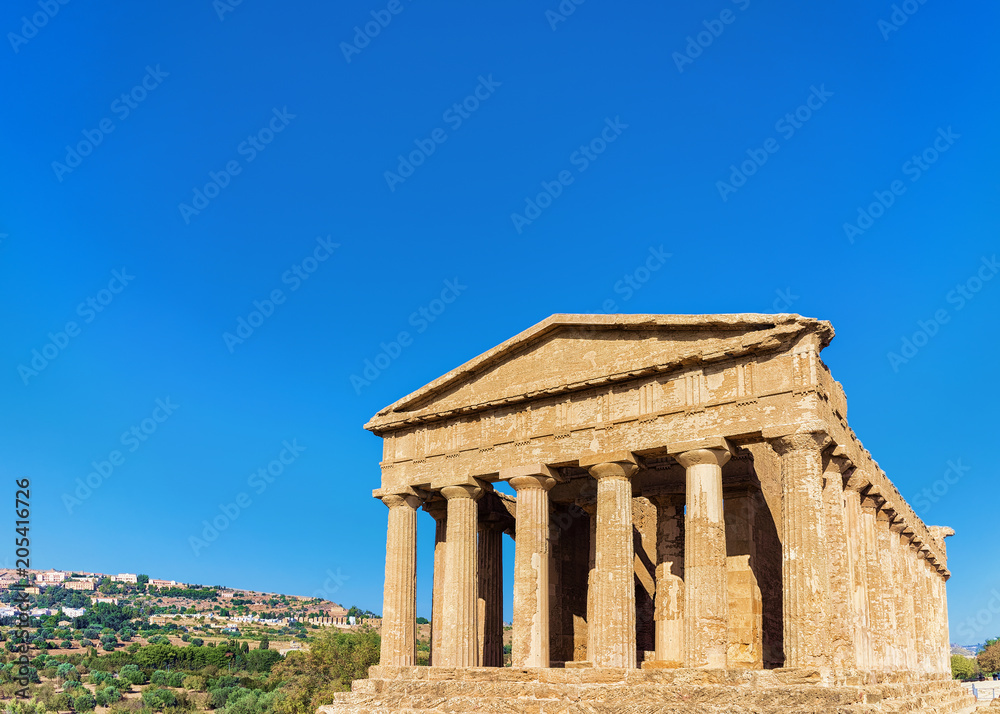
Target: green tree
159, 699
989, 657
264, 643
107, 696
308, 680
962, 667
84, 702
67, 671
194, 683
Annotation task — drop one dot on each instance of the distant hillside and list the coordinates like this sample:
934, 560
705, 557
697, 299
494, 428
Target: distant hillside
75, 589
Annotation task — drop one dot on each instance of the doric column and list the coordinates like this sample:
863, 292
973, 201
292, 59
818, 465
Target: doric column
669, 602
877, 583
841, 603
859, 559
460, 645
804, 573
745, 603
706, 607
921, 607
614, 583
590, 507
906, 628
439, 511
490, 613
399, 607
884, 538
530, 646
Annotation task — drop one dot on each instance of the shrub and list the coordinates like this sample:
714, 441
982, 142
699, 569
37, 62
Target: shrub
159, 699
24, 706
86, 643
66, 645
108, 696
217, 697
175, 679
71, 684
100, 677
159, 676
62, 702
194, 683
132, 674
84, 702
67, 671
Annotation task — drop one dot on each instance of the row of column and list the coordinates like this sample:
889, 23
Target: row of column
896, 603
856, 594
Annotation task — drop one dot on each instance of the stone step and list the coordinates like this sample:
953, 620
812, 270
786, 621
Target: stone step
526, 695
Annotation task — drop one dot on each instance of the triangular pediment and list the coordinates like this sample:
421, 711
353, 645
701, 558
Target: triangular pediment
572, 352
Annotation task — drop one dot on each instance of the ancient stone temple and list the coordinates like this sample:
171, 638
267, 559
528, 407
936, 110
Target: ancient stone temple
696, 526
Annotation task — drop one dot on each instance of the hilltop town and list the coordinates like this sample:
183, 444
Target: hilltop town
73, 592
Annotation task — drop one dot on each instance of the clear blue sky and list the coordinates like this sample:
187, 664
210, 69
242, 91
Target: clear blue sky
287, 141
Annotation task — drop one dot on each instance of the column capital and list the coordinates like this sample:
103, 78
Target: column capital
611, 464
696, 457
400, 496
856, 481
437, 509
786, 443
462, 491
530, 476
